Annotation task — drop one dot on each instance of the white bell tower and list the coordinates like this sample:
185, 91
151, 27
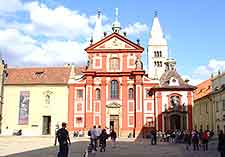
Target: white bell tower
157, 50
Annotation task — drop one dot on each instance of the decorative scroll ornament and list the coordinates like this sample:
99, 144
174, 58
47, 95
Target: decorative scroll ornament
113, 105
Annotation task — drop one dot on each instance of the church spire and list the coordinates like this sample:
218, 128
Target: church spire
98, 32
157, 49
156, 34
116, 24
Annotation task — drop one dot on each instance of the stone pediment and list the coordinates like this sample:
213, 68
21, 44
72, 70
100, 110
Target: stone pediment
115, 43
113, 105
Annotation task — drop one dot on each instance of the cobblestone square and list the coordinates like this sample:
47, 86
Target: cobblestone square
43, 147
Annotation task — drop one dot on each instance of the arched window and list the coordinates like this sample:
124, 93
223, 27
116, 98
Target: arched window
160, 53
47, 99
98, 94
131, 93
157, 53
114, 89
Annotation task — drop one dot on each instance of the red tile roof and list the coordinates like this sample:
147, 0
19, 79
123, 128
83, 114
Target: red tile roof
39, 75
203, 89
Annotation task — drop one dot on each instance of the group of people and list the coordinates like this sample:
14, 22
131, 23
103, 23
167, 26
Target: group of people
197, 139
99, 136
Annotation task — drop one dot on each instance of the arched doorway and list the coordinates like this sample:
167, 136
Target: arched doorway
175, 122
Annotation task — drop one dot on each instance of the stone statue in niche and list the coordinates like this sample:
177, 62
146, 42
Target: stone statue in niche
89, 63
174, 101
139, 64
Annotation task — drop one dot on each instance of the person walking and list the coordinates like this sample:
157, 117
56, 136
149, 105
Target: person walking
113, 137
205, 140
187, 139
98, 133
102, 140
221, 144
94, 138
195, 140
63, 138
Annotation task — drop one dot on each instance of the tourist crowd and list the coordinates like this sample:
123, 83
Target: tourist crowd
98, 137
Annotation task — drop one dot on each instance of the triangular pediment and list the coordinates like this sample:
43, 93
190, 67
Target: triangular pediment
114, 41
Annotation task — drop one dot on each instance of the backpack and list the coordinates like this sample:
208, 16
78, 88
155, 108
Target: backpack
89, 132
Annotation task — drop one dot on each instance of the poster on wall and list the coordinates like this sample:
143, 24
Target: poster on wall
24, 107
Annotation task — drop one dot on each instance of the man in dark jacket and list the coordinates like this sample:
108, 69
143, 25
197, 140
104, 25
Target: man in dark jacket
63, 138
221, 144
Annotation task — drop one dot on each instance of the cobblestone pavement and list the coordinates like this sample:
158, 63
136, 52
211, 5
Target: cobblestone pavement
123, 148
144, 149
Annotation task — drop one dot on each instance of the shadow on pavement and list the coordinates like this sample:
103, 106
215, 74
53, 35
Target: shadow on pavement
77, 148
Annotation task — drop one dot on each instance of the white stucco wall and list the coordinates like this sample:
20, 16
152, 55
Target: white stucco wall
57, 109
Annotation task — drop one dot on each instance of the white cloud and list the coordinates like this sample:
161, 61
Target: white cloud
204, 72
7, 6
135, 29
13, 41
57, 22
50, 36
212, 67
56, 52
27, 50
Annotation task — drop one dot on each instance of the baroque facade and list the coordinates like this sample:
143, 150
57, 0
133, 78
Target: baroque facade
113, 90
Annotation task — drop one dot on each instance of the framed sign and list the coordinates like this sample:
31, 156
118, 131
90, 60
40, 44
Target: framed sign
24, 107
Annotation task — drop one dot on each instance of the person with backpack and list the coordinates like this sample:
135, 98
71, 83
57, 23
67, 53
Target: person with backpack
63, 138
205, 140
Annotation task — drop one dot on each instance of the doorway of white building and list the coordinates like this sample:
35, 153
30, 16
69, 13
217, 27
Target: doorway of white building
46, 127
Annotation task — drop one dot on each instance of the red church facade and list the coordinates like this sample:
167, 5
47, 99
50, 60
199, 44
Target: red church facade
115, 92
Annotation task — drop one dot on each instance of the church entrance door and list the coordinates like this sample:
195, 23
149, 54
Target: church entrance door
175, 122
114, 123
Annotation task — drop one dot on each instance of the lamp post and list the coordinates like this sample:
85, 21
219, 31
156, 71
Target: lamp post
3, 77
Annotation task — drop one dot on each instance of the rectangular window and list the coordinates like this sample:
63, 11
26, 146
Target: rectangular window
149, 106
79, 107
148, 93
79, 94
97, 107
97, 62
97, 120
131, 62
114, 64
223, 104
131, 93
206, 108
217, 106
131, 120
131, 106
79, 121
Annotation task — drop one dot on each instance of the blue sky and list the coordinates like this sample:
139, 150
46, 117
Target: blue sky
31, 33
